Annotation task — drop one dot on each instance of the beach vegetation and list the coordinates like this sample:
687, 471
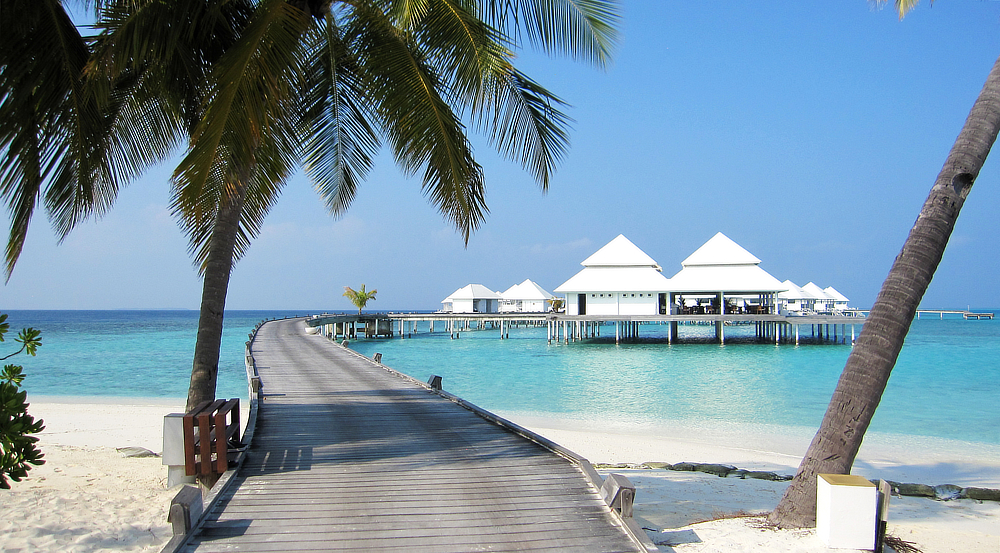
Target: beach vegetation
866, 373
359, 298
254, 90
18, 447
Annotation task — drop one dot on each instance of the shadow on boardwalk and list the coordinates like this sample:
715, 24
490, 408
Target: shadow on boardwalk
348, 456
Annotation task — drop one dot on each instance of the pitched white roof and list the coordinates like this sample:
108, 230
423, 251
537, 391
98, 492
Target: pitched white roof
527, 290
619, 266
616, 279
833, 293
721, 265
794, 292
726, 278
720, 250
816, 291
472, 292
620, 252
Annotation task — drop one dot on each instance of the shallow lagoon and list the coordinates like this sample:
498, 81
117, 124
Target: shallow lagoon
946, 382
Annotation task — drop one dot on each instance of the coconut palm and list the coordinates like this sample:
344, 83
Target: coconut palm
359, 298
257, 88
866, 373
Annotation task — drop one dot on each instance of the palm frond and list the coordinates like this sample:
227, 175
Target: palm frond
420, 125
904, 6
50, 128
340, 142
247, 138
526, 123
582, 29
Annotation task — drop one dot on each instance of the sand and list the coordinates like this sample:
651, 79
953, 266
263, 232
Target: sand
87, 497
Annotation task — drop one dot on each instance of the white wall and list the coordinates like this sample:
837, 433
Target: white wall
615, 303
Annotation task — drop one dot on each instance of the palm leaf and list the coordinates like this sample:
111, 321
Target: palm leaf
526, 123
50, 128
340, 141
418, 122
582, 29
246, 140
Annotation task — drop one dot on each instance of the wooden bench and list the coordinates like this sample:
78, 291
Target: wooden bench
208, 436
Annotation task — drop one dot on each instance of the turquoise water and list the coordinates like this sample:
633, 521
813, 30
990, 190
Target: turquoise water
945, 384
127, 353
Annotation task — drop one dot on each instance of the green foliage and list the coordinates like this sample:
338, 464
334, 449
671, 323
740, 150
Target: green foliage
17, 445
359, 298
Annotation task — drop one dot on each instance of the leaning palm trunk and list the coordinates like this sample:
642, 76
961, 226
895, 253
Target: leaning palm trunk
218, 267
860, 388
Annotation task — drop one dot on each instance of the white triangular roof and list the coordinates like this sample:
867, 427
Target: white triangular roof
527, 290
619, 266
720, 250
620, 252
472, 292
721, 265
816, 291
837, 296
793, 292
725, 278
616, 279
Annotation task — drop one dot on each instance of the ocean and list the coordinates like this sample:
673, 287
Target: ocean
945, 384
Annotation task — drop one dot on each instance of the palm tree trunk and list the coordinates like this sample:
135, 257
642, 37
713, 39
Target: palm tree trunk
860, 388
218, 267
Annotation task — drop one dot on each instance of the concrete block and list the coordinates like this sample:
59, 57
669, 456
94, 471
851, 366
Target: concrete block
846, 511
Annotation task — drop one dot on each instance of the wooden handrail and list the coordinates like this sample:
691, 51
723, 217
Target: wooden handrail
207, 436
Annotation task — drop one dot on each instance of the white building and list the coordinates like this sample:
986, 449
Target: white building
618, 279
721, 272
526, 297
794, 299
839, 300
824, 302
472, 298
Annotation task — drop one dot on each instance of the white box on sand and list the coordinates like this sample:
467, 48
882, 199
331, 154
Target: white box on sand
845, 511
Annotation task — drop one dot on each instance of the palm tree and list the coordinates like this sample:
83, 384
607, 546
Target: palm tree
259, 87
866, 373
359, 298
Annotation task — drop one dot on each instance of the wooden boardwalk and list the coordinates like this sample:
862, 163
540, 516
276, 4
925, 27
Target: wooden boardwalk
348, 456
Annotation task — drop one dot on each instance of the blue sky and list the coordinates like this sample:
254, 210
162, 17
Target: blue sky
809, 133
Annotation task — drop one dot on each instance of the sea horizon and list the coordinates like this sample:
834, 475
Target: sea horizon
941, 387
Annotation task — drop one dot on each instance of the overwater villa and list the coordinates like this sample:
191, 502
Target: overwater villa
526, 297
723, 273
472, 298
618, 279
621, 279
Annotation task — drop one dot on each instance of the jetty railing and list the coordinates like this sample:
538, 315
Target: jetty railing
188, 508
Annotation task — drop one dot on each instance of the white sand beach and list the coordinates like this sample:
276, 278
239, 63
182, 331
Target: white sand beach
87, 497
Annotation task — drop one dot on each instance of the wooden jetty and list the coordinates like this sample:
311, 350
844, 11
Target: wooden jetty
348, 455
967, 315
776, 328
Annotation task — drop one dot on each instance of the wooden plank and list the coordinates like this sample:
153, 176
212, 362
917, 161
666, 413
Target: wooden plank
348, 456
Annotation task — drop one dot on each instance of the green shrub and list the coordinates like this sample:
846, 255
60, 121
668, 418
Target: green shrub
17, 445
